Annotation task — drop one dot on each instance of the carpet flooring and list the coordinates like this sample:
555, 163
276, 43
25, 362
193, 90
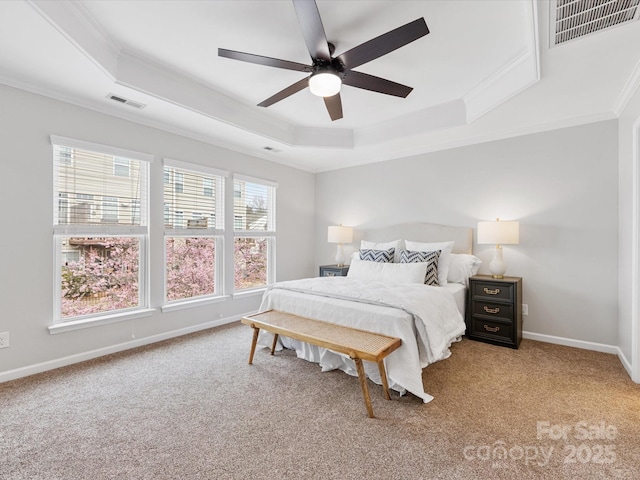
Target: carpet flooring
191, 408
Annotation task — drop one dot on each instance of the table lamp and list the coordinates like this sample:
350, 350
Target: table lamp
498, 233
340, 234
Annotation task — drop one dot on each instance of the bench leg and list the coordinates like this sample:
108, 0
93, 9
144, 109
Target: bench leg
256, 331
363, 384
383, 376
273, 345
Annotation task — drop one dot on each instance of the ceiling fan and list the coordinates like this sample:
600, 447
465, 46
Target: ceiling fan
328, 73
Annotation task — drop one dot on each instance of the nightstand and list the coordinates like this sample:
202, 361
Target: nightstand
334, 270
494, 310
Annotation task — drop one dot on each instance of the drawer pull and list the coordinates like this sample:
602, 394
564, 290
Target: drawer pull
491, 329
491, 310
491, 292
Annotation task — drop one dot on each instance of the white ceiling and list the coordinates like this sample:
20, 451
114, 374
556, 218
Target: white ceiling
484, 71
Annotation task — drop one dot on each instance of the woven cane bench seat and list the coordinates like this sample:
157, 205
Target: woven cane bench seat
357, 344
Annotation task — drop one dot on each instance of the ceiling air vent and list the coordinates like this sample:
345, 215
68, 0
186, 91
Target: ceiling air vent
126, 101
573, 19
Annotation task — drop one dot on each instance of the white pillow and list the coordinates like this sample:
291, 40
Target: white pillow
443, 262
393, 273
364, 244
461, 267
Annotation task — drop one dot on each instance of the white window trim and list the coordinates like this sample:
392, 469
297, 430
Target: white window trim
96, 147
193, 302
261, 181
142, 232
249, 292
217, 234
118, 316
194, 167
270, 235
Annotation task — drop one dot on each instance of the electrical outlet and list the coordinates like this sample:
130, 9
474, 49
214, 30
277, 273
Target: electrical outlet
4, 340
525, 309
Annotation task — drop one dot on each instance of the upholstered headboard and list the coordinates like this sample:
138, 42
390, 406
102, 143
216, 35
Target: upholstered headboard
423, 232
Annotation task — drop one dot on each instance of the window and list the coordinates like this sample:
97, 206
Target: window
178, 219
121, 167
65, 156
100, 248
207, 187
110, 209
63, 207
193, 265
254, 232
178, 182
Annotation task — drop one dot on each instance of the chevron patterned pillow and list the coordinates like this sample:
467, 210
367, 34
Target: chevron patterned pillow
370, 255
431, 258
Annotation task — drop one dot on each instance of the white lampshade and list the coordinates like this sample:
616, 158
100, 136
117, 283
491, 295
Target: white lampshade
498, 233
340, 234
325, 84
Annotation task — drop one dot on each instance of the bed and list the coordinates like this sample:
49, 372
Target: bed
427, 318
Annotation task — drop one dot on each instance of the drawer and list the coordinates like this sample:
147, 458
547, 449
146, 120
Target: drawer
493, 290
492, 329
488, 309
334, 271
328, 272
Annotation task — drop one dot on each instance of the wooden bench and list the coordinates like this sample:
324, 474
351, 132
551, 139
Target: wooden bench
358, 344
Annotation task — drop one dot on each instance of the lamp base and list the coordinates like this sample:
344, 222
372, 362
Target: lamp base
497, 265
340, 256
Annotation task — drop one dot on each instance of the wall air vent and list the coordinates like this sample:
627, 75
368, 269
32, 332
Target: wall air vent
571, 19
271, 149
126, 101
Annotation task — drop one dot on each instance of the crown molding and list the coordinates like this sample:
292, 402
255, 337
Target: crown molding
139, 73
516, 75
464, 140
629, 89
75, 24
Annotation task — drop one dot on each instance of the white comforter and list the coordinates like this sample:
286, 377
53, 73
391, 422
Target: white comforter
425, 318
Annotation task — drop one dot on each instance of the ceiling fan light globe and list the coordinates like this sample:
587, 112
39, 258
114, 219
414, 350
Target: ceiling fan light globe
325, 84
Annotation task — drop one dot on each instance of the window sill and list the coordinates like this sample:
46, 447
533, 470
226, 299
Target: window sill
250, 293
73, 325
170, 307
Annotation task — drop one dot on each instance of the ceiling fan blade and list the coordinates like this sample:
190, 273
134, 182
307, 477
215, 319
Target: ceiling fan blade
282, 94
375, 84
385, 43
312, 29
260, 60
334, 106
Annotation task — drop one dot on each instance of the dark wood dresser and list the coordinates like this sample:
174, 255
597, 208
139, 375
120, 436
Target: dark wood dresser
334, 270
494, 310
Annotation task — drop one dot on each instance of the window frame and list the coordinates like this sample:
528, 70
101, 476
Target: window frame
218, 178
269, 234
63, 230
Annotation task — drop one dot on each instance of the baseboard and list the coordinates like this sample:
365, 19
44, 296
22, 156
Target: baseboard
625, 363
570, 342
100, 352
81, 357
